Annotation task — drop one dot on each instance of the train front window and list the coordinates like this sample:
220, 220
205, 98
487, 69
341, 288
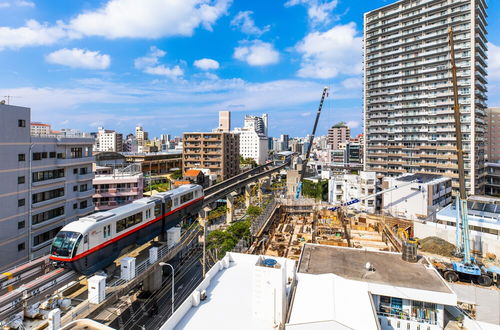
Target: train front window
64, 243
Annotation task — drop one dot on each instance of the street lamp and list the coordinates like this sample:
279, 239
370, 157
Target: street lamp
173, 282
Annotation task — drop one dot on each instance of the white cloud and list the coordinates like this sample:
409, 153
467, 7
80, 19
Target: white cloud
353, 124
32, 34
206, 64
328, 54
149, 18
352, 83
493, 62
246, 24
17, 3
257, 53
79, 58
318, 11
150, 64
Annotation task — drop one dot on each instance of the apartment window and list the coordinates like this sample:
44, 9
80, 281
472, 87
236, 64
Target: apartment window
76, 152
21, 123
75, 188
83, 205
48, 175
83, 187
21, 157
83, 170
21, 247
21, 179
44, 155
21, 202
37, 155
75, 206
47, 215
75, 171
61, 155
21, 224
52, 154
47, 195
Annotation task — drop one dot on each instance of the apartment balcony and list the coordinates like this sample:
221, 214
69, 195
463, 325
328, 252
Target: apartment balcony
85, 177
110, 204
46, 182
405, 322
62, 162
89, 209
112, 192
85, 194
49, 201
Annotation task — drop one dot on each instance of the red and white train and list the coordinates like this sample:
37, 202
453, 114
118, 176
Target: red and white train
93, 242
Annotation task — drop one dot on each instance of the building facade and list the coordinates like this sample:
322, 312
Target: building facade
492, 186
346, 187
493, 134
253, 139
408, 97
420, 200
108, 140
224, 121
217, 151
46, 183
116, 187
140, 135
40, 129
337, 134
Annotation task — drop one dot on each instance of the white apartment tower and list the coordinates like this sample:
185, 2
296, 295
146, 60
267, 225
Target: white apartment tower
408, 96
108, 140
140, 135
253, 138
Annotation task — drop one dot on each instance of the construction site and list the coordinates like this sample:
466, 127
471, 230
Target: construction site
306, 221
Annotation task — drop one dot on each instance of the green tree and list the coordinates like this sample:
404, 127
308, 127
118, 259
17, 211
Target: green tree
254, 211
176, 175
220, 240
240, 229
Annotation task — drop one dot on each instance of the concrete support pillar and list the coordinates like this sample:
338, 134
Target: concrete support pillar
202, 218
54, 318
152, 283
230, 207
248, 195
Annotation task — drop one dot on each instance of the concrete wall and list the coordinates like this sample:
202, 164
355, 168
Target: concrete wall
481, 242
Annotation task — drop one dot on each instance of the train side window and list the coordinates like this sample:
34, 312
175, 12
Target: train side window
168, 204
157, 209
176, 201
86, 239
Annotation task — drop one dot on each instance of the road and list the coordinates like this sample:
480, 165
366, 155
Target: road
152, 312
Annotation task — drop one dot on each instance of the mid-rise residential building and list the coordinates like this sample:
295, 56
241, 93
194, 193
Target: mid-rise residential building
224, 121
155, 165
347, 187
140, 135
46, 183
493, 134
408, 96
116, 187
130, 143
492, 186
108, 140
418, 197
217, 151
337, 134
40, 129
253, 141
283, 142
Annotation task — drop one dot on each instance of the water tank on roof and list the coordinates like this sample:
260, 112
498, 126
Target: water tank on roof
410, 251
268, 262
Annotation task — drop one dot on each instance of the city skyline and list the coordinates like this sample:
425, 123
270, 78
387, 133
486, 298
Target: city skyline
248, 60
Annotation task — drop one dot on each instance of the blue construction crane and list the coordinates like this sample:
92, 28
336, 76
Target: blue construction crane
311, 139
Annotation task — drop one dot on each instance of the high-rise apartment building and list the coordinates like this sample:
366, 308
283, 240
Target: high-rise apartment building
338, 133
140, 135
253, 141
493, 134
217, 151
408, 96
108, 140
224, 121
46, 183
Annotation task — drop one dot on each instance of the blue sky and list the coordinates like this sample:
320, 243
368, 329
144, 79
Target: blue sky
171, 65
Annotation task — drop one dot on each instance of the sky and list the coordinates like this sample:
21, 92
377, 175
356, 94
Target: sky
171, 65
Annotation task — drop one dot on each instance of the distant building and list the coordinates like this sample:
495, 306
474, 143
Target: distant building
35, 205
253, 141
339, 133
130, 143
493, 134
346, 187
108, 140
40, 129
419, 200
492, 186
140, 135
196, 177
217, 151
284, 140
224, 121
155, 165
116, 187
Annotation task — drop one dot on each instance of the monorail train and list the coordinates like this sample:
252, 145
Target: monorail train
93, 242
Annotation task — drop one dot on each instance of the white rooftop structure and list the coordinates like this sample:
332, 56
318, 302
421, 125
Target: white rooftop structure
329, 288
